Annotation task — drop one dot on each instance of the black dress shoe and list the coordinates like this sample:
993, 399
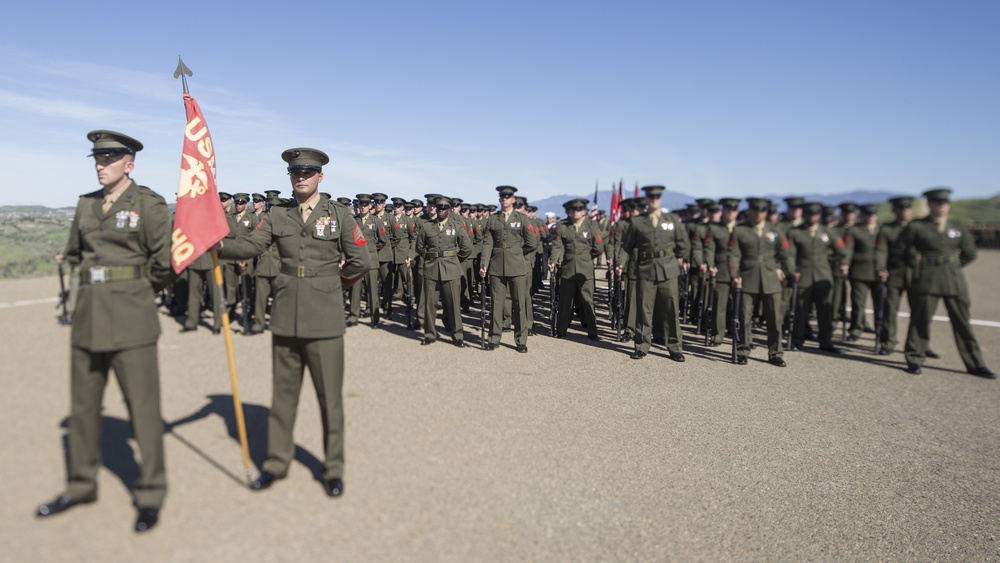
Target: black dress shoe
264, 480
914, 369
147, 518
777, 361
625, 337
830, 348
593, 337
932, 354
741, 360
489, 346
714, 344
853, 338
677, 356
638, 355
217, 330
59, 504
352, 323
559, 335
460, 344
334, 487
983, 372
425, 341
884, 351
522, 348
189, 329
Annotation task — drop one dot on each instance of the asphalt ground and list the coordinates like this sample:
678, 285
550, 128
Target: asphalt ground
570, 452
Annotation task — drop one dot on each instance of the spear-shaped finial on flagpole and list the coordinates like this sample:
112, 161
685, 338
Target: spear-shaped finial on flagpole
182, 71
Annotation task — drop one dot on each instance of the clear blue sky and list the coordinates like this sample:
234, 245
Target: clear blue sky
712, 98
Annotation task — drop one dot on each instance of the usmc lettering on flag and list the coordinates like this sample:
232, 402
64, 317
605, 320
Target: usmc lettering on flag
200, 221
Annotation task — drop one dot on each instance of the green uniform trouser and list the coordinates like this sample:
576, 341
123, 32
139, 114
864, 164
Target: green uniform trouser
919, 334
770, 304
449, 292
138, 374
262, 292
370, 282
231, 280
721, 304
517, 288
860, 290
820, 294
385, 272
893, 297
648, 296
580, 290
839, 288
325, 359
630, 315
197, 280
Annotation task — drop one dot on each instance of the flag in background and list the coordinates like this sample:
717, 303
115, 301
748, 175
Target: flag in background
593, 208
199, 221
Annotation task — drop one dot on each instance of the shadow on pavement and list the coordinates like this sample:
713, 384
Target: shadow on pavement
116, 453
255, 417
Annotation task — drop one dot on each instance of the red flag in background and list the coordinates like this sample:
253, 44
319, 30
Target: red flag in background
615, 203
636, 189
199, 221
620, 197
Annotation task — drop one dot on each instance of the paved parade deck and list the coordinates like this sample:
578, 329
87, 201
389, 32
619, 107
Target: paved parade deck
572, 452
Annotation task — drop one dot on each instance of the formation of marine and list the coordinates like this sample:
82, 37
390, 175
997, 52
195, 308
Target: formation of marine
665, 276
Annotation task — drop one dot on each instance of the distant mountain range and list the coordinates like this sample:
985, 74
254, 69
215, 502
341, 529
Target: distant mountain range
677, 200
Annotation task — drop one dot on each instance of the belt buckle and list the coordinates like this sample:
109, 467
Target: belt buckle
97, 275
301, 272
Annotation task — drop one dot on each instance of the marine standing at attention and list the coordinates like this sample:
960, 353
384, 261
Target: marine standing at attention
321, 248
120, 238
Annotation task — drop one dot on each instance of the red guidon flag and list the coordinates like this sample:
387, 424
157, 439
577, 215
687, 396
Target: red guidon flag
199, 222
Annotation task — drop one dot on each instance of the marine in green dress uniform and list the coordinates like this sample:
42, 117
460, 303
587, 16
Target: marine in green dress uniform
446, 246
321, 247
120, 237
757, 264
860, 243
811, 251
660, 243
369, 279
577, 242
716, 246
894, 270
508, 236
265, 272
940, 248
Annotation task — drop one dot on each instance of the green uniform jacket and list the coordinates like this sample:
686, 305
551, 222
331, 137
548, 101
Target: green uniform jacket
892, 256
310, 306
268, 263
506, 243
938, 258
444, 250
716, 247
859, 252
116, 315
757, 259
369, 229
400, 238
814, 257
576, 250
385, 242
656, 248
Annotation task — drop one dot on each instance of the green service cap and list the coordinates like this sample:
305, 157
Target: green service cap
223, 196
812, 207
272, 192
518, 200
443, 202
938, 194
578, 202
363, 198
902, 202
109, 143
344, 201
305, 159
793, 202
758, 204
653, 192
241, 197
397, 201
506, 190
491, 208
730, 202
379, 197
704, 201
417, 202
848, 207
713, 207
869, 209
456, 201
